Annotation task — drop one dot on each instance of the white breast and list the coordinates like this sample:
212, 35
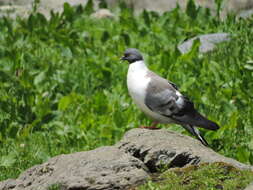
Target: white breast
137, 82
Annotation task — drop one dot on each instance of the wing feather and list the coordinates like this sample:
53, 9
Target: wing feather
168, 101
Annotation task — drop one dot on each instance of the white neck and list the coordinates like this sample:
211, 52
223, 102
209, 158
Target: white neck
138, 66
137, 81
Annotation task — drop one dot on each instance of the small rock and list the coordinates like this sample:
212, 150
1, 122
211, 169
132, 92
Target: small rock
207, 42
245, 14
103, 13
249, 187
15, 10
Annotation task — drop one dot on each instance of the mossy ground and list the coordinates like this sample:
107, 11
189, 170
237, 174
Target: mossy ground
203, 177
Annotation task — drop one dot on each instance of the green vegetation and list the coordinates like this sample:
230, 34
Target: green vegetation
63, 88
54, 187
206, 176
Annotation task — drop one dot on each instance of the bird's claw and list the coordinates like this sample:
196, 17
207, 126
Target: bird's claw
149, 127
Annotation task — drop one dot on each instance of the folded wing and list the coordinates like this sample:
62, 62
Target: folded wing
166, 100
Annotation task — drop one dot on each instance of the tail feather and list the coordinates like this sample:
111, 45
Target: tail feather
194, 118
203, 122
196, 133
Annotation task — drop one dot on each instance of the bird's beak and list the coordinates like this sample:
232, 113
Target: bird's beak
122, 58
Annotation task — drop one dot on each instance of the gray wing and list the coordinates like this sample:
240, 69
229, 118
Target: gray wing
164, 99
167, 101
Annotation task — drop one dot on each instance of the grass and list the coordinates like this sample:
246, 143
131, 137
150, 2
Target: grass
63, 88
205, 176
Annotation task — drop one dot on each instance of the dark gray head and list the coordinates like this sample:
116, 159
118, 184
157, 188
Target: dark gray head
131, 55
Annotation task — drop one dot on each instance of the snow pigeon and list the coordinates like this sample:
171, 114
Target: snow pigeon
160, 99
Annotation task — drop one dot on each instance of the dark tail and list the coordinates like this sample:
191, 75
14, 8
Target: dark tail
196, 133
194, 118
203, 122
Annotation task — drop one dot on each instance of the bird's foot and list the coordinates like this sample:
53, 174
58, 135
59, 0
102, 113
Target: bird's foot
152, 127
149, 127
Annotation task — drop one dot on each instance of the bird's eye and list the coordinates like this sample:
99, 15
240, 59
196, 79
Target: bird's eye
127, 54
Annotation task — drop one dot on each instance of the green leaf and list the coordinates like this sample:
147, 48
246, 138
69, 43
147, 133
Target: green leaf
195, 46
191, 9
31, 22
35, 5
66, 52
64, 103
40, 19
123, 6
126, 38
190, 81
243, 155
193, 52
218, 4
39, 78
102, 4
68, 11
146, 18
8, 160
89, 7
105, 36
249, 67
233, 120
79, 9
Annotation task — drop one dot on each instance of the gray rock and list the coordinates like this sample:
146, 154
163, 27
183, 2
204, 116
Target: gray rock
163, 147
167, 5
207, 42
57, 6
122, 166
249, 187
102, 168
24, 7
245, 14
14, 11
15, 2
103, 13
159, 5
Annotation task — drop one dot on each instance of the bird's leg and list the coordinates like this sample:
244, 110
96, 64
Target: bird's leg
152, 127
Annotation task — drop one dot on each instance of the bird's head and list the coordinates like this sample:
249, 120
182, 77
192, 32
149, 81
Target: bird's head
131, 55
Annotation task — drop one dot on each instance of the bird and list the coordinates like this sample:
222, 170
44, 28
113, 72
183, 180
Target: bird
160, 99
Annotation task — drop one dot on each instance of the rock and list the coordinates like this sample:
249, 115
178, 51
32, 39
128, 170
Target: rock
103, 13
207, 42
122, 166
23, 8
237, 5
249, 187
102, 168
163, 147
15, 2
159, 5
245, 14
44, 7
14, 11
167, 5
